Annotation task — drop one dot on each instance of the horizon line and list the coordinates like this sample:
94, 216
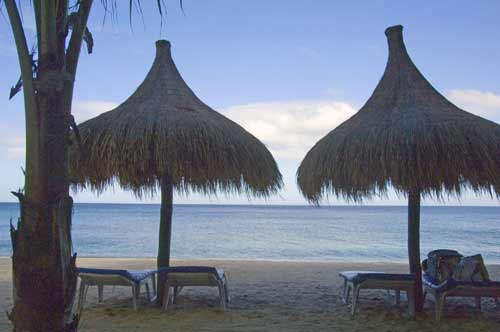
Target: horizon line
278, 205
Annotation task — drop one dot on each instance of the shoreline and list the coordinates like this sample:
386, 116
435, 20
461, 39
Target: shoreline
257, 260
254, 260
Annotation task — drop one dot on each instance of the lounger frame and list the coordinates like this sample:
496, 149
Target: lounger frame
475, 291
175, 281
101, 280
407, 286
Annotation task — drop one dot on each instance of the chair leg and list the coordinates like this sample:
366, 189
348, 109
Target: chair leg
176, 292
86, 292
81, 297
147, 291
153, 283
226, 291
397, 296
440, 302
437, 305
344, 289
478, 303
100, 289
410, 294
355, 295
222, 296
166, 296
136, 290
347, 293
134, 304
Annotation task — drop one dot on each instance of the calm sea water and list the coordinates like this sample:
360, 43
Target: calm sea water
358, 233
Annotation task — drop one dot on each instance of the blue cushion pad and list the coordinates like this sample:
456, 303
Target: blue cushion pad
138, 275
360, 276
442, 286
219, 273
133, 275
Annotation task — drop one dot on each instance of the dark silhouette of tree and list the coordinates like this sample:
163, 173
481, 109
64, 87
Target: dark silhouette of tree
44, 271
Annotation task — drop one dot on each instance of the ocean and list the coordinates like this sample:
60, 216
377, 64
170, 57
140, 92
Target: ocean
302, 233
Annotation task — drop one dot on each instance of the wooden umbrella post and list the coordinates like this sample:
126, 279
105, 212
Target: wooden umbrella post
414, 244
165, 233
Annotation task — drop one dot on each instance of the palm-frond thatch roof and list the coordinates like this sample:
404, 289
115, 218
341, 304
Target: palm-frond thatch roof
406, 135
163, 129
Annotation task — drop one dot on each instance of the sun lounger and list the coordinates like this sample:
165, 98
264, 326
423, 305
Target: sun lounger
452, 288
103, 277
183, 276
356, 280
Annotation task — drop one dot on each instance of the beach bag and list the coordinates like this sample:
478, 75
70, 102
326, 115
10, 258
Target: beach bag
471, 268
441, 263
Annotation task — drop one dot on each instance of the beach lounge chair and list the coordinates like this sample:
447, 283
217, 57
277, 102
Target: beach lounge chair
104, 277
356, 280
184, 276
440, 290
449, 274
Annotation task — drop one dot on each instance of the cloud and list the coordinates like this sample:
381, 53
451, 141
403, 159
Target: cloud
485, 104
290, 128
84, 110
12, 148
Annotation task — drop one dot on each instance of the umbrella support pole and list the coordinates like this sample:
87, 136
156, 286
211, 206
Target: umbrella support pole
414, 245
165, 234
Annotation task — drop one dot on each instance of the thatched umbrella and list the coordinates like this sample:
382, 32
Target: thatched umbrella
164, 137
407, 136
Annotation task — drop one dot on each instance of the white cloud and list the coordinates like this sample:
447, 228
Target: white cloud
485, 104
12, 148
290, 128
84, 110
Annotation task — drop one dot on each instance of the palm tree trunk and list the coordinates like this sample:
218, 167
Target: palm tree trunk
414, 245
165, 233
44, 271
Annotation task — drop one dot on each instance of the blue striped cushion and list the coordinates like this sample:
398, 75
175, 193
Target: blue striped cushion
448, 284
360, 276
218, 273
132, 275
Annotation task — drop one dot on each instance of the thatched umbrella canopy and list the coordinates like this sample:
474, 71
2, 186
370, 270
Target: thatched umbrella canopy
164, 137
407, 136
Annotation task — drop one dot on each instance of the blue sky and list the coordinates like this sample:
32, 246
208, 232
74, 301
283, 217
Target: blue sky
288, 71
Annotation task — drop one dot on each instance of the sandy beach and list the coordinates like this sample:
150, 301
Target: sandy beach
266, 296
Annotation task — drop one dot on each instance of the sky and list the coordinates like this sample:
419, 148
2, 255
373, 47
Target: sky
287, 71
